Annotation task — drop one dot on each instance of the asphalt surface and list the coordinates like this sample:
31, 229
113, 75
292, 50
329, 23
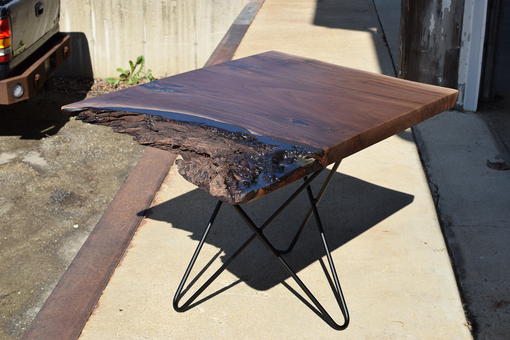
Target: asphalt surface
57, 177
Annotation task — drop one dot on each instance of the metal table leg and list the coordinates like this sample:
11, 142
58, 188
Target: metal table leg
258, 233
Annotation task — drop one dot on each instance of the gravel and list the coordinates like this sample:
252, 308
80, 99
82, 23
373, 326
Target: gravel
57, 177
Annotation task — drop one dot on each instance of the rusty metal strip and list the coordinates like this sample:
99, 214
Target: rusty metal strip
227, 47
69, 306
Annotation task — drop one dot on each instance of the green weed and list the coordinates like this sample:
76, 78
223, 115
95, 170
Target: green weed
132, 76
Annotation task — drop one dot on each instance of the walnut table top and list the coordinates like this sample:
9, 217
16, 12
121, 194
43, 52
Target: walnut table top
250, 126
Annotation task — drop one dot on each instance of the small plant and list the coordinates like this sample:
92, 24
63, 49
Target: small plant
130, 76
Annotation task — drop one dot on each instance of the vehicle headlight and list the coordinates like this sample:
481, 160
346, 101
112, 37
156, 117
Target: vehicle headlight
18, 90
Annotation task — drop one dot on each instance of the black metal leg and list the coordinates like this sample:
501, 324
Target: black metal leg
277, 253
310, 212
179, 295
337, 292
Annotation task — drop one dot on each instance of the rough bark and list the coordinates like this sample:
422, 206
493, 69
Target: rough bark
231, 166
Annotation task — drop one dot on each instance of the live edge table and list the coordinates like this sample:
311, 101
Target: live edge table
248, 127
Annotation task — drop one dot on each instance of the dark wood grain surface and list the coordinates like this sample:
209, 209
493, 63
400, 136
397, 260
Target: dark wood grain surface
252, 125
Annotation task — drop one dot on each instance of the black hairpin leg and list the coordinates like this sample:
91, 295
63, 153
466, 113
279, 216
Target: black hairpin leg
258, 233
310, 212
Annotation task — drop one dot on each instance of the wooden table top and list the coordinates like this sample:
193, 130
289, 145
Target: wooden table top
250, 126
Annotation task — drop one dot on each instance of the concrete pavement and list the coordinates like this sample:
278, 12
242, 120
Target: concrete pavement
473, 204
472, 200
378, 213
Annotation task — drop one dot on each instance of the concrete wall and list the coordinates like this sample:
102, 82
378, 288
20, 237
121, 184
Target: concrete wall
174, 35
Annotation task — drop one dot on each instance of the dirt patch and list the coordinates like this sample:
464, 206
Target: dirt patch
87, 87
57, 177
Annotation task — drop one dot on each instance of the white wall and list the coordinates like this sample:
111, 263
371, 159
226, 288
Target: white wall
471, 53
174, 35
